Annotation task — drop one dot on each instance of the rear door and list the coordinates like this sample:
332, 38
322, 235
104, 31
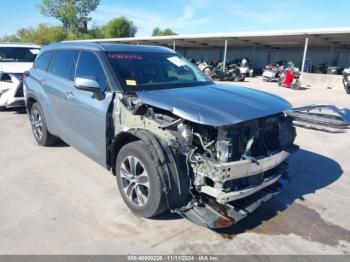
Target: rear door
86, 115
58, 84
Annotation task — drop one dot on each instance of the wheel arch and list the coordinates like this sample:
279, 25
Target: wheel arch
30, 101
173, 169
119, 141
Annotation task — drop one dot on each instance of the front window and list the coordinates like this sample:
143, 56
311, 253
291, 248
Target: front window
95, 72
18, 54
147, 71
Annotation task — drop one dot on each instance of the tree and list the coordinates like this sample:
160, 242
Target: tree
73, 14
10, 38
42, 34
158, 32
119, 27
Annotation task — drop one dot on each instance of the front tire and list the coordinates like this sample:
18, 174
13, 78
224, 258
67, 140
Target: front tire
41, 134
139, 181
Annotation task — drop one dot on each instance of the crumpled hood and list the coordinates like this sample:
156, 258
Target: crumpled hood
216, 104
15, 67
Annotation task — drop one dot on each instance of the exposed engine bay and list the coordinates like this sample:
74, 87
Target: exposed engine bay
232, 169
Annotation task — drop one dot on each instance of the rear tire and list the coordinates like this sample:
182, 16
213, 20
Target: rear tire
139, 180
279, 82
41, 134
296, 85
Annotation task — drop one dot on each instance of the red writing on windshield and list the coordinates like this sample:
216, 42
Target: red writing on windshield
121, 56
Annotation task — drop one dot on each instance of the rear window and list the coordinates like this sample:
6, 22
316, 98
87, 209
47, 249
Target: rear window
18, 54
43, 60
63, 64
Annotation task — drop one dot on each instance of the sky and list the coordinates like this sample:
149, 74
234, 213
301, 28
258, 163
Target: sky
194, 16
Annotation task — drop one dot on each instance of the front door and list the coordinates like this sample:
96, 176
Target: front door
87, 115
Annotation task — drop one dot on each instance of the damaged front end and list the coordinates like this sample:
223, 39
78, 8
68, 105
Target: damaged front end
238, 167
232, 169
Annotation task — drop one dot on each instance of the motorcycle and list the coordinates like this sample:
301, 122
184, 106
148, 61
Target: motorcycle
346, 80
205, 67
236, 72
290, 78
272, 73
244, 66
217, 72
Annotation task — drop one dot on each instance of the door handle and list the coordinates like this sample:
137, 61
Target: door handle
69, 94
43, 83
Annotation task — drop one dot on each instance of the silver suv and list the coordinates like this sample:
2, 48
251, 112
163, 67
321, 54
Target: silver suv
174, 139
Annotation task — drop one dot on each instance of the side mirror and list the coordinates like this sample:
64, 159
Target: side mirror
89, 85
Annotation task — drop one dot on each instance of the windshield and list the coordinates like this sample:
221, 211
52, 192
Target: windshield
18, 54
147, 71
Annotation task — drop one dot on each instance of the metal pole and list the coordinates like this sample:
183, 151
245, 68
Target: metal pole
304, 55
174, 45
330, 56
253, 58
225, 54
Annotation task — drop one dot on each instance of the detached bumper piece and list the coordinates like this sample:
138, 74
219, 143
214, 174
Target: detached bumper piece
215, 216
326, 118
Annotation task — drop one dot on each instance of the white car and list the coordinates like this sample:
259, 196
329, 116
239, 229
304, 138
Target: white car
15, 59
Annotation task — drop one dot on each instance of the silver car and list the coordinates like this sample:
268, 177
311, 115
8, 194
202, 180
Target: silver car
174, 139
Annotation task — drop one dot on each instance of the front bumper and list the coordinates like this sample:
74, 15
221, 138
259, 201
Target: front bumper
216, 216
223, 197
222, 172
223, 209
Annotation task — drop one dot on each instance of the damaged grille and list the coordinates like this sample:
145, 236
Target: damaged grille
254, 138
255, 180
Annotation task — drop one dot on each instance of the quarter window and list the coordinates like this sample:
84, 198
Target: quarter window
43, 60
89, 67
64, 62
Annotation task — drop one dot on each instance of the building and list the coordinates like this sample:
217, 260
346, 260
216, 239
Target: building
306, 48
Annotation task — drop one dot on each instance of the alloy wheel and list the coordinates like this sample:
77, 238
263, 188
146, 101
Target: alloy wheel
135, 180
37, 124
